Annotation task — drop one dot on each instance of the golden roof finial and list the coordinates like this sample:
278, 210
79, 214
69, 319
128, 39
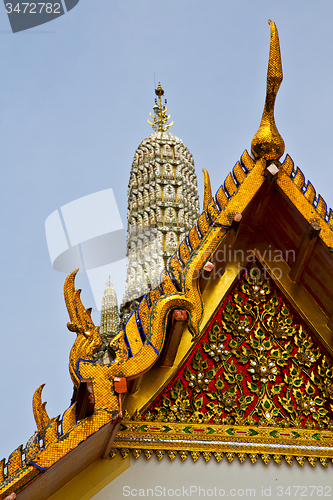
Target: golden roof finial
207, 189
268, 143
160, 119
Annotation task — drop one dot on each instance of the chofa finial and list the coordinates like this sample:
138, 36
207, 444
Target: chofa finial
268, 143
160, 119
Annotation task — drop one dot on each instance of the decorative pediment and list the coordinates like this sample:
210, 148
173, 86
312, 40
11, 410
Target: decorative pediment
258, 381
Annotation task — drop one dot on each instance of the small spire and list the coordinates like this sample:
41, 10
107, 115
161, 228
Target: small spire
109, 283
109, 314
207, 189
160, 119
267, 142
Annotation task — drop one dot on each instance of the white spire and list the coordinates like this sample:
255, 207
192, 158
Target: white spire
163, 203
109, 312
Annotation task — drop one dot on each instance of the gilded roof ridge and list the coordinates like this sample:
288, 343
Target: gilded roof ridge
308, 191
222, 197
170, 278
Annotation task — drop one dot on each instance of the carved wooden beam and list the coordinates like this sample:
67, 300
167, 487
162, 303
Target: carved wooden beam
85, 399
271, 174
120, 387
178, 321
109, 441
330, 323
235, 228
134, 385
224, 249
304, 252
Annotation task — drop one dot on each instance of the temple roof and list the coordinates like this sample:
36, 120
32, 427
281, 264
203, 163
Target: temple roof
208, 319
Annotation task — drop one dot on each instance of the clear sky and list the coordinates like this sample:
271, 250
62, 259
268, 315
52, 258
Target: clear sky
75, 96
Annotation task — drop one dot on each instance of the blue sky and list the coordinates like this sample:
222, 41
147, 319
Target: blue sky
75, 96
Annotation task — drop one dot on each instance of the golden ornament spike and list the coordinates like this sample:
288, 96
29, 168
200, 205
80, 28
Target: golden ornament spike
39, 411
160, 119
69, 292
80, 320
84, 318
207, 189
267, 142
80, 310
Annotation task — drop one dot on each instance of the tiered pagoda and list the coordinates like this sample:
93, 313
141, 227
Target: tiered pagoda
163, 203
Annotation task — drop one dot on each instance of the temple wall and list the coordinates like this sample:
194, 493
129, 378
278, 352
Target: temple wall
164, 478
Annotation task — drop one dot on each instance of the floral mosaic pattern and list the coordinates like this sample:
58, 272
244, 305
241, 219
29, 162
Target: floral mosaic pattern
257, 364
